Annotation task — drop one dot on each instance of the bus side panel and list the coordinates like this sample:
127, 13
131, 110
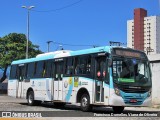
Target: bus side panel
48, 89
26, 85
73, 84
12, 85
106, 93
68, 92
41, 88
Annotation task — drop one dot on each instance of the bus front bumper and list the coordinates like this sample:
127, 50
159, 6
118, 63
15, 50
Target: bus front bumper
119, 101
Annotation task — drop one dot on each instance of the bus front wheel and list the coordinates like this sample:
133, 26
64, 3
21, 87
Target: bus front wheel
118, 109
85, 103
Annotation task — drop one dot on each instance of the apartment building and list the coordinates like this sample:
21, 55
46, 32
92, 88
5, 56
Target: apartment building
143, 33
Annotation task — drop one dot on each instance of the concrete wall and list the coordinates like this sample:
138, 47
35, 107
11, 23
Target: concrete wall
155, 68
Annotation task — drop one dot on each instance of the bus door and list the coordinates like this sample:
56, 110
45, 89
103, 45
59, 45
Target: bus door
58, 77
100, 78
20, 80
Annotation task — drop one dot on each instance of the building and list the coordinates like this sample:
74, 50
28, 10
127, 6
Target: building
143, 33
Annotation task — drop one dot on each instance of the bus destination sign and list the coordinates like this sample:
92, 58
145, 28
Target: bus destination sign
127, 53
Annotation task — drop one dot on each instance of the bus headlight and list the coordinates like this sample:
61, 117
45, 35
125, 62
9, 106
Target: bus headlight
117, 91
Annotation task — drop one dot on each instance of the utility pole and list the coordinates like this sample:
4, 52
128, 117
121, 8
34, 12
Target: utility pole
148, 50
28, 13
48, 42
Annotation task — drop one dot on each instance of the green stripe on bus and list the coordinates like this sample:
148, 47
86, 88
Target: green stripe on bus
125, 80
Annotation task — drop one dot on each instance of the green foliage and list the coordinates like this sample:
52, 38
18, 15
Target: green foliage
13, 47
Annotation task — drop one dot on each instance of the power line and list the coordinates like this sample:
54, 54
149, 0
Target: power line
57, 9
73, 44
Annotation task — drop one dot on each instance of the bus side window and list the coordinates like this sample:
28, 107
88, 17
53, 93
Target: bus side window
83, 65
76, 70
21, 70
30, 70
13, 72
88, 66
69, 66
47, 69
39, 67
101, 68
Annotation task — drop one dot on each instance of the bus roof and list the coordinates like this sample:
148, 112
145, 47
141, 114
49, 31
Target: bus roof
64, 53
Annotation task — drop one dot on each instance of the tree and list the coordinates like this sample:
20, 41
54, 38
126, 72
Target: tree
13, 47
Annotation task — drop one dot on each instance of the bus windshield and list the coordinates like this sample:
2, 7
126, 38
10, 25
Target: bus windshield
131, 71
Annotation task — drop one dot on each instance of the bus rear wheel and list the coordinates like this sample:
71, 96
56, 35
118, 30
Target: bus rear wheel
30, 98
85, 103
118, 109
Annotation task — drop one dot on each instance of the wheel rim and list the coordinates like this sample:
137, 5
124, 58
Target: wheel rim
84, 102
30, 98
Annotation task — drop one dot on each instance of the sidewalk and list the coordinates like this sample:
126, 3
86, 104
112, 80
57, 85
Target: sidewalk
156, 106
4, 98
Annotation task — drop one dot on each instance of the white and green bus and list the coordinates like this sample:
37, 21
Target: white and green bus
104, 76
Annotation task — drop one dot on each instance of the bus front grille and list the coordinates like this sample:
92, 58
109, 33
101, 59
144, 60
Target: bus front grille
127, 89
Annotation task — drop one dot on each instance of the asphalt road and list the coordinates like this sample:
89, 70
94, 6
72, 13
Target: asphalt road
20, 106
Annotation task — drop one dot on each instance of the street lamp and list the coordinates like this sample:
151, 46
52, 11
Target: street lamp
28, 10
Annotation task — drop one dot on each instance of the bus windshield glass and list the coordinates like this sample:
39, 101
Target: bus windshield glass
131, 71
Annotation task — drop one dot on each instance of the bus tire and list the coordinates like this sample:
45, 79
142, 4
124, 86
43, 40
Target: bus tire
30, 98
118, 109
85, 103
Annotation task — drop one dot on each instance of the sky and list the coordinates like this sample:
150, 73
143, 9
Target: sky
73, 22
